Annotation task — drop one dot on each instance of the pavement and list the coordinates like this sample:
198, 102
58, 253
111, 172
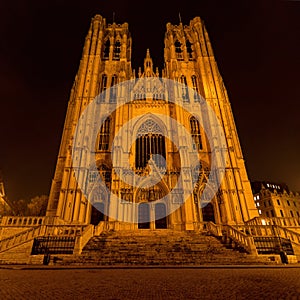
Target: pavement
155, 282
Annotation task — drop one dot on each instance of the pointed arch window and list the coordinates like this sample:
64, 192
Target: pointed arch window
178, 50
150, 141
189, 49
195, 88
104, 135
184, 89
113, 89
117, 50
103, 87
106, 50
196, 134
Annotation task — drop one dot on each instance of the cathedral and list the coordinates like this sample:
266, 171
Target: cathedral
150, 169
147, 141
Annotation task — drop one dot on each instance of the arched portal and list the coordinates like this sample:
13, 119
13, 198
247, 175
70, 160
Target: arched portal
144, 216
97, 213
160, 216
208, 213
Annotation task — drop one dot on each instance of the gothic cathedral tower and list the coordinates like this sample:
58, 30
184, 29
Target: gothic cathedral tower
106, 64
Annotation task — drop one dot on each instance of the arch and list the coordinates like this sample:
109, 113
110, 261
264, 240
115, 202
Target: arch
99, 201
189, 49
178, 50
143, 119
160, 216
208, 213
97, 214
106, 49
184, 88
104, 135
196, 133
117, 50
143, 215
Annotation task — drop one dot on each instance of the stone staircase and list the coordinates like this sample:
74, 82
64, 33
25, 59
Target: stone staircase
159, 247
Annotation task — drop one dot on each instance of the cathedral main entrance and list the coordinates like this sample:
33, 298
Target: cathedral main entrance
160, 216
144, 216
208, 213
97, 213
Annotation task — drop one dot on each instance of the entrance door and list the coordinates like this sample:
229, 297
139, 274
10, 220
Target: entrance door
144, 216
160, 216
97, 213
208, 213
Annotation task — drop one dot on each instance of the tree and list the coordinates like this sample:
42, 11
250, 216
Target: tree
38, 206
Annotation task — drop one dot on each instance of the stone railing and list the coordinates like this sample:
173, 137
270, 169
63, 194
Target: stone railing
8, 221
20, 238
41, 230
99, 228
240, 238
284, 222
83, 239
270, 230
214, 229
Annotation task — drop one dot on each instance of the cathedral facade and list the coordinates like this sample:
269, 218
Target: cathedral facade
167, 128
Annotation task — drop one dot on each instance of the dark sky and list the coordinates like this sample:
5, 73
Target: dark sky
257, 48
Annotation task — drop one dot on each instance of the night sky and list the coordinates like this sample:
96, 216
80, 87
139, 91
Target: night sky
257, 48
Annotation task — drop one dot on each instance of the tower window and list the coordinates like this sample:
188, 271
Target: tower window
106, 50
103, 88
104, 135
184, 89
196, 134
189, 49
195, 88
178, 50
117, 50
113, 89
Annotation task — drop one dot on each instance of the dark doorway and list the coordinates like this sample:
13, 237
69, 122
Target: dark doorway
208, 213
160, 216
144, 216
97, 213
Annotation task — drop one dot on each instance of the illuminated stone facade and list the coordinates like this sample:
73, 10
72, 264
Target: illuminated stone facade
189, 59
276, 200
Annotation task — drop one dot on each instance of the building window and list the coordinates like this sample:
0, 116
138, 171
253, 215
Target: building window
257, 204
150, 141
184, 89
267, 213
189, 50
104, 135
294, 203
113, 89
281, 213
278, 202
117, 50
272, 213
195, 88
196, 134
106, 50
269, 202
297, 214
292, 215
103, 88
288, 203
178, 50
259, 211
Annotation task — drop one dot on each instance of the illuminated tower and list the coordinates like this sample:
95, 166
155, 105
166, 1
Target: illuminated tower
189, 60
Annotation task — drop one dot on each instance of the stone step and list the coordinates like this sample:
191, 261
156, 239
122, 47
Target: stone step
158, 247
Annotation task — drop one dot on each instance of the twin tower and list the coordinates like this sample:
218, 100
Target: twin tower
149, 150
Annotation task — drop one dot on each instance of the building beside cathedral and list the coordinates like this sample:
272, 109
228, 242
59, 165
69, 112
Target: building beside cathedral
275, 200
188, 59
